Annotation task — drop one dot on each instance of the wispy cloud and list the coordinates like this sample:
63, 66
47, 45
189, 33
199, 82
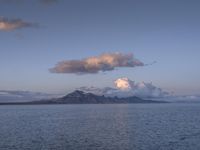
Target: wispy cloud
12, 1
20, 96
22, 1
13, 24
95, 64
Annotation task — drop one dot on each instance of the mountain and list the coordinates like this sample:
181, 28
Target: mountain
80, 97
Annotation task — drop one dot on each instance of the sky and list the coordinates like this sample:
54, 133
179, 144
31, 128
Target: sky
37, 35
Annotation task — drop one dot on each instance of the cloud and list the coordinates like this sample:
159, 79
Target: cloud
96, 64
11, 1
22, 96
124, 84
13, 24
141, 89
125, 87
107, 91
22, 1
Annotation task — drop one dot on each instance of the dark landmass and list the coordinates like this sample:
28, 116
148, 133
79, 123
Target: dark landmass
79, 97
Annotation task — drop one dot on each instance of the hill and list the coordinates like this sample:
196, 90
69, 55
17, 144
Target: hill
80, 97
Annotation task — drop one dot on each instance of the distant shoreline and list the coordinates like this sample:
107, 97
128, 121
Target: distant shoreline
33, 103
80, 97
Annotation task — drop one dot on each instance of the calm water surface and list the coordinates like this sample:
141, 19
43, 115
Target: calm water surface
100, 127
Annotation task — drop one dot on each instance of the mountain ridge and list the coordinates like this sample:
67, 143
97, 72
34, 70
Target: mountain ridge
80, 97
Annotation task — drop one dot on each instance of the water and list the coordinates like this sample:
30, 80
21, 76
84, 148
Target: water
100, 127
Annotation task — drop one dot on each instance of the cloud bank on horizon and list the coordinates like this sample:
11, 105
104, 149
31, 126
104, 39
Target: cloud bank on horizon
96, 64
23, 96
13, 24
22, 1
125, 87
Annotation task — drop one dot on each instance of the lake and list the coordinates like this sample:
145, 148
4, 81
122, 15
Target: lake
100, 127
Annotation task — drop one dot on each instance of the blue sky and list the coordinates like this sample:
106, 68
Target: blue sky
153, 30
